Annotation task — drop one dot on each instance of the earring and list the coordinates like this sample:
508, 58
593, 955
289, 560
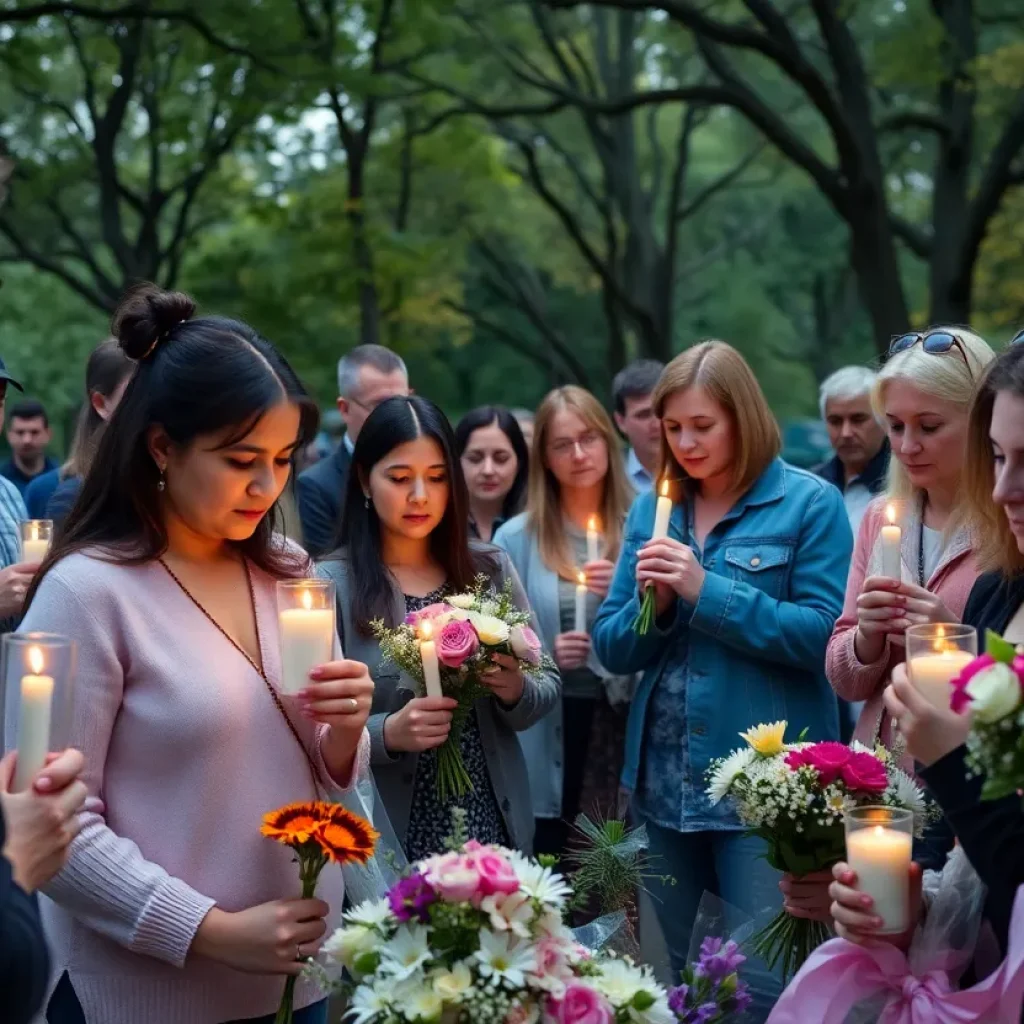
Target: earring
161, 484
366, 501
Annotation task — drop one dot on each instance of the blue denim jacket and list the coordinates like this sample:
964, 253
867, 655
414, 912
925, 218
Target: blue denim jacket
755, 640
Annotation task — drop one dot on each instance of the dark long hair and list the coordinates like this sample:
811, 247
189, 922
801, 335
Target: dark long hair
195, 377
498, 415
105, 371
394, 422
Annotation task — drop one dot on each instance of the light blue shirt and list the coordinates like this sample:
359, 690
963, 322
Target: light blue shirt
641, 480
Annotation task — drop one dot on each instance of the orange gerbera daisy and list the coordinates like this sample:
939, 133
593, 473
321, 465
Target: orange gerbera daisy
334, 831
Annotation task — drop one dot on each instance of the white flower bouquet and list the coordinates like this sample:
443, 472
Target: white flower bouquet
466, 631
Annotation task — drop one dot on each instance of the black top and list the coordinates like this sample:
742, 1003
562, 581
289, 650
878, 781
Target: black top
12, 471
24, 960
873, 477
321, 491
990, 831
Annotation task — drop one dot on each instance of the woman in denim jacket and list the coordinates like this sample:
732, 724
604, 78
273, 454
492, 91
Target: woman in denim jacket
749, 583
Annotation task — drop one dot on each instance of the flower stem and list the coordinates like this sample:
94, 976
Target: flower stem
648, 613
310, 866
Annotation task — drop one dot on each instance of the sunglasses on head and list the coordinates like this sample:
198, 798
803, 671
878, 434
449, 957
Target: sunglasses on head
1016, 339
935, 343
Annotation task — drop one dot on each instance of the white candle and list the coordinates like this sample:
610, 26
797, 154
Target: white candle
307, 640
33, 547
33, 721
593, 540
662, 513
932, 675
892, 539
581, 604
881, 858
428, 655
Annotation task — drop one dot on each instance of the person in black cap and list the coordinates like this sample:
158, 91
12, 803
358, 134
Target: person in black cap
15, 575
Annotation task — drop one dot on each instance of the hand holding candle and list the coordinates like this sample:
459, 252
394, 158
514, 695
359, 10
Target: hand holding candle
878, 849
648, 607
431, 666
936, 655
306, 628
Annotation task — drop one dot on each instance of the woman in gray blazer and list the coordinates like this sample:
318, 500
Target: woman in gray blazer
405, 545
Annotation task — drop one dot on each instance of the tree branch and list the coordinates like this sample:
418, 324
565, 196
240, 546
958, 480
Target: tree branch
911, 120
917, 240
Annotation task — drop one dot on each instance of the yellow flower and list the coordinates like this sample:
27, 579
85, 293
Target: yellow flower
767, 740
492, 631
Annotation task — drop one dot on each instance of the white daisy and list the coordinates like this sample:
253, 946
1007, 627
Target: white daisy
504, 958
540, 883
417, 1000
725, 773
906, 793
371, 914
368, 1003
406, 952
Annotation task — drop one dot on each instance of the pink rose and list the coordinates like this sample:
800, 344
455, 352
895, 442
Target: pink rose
526, 645
432, 611
456, 878
959, 698
827, 759
864, 773
456, 642
581, 1005
496, 873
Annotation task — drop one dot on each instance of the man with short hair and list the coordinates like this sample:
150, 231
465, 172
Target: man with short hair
28, 434
15, 576
634, 416
861, 458
367, 376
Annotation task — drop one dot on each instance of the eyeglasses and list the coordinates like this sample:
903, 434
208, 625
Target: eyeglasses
935, 343
1016, 339
563, 447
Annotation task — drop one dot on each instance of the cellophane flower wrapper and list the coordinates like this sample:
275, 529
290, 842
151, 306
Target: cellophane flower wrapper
468, 629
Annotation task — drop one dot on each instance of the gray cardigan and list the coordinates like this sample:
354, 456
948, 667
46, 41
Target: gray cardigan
395, 773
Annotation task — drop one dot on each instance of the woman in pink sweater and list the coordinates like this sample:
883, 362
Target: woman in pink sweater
172, 908
923, 393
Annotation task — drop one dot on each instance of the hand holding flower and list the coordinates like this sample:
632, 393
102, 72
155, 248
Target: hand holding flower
504, 679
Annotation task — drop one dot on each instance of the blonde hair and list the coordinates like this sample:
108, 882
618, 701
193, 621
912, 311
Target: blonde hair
946, 376
543, 502
720, 371
995, 545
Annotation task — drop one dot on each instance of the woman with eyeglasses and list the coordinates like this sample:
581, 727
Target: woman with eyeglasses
573, 754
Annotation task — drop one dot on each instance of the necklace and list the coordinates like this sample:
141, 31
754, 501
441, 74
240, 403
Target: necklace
258, 669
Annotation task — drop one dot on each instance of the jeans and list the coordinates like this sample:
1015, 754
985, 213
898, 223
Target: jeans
729, 865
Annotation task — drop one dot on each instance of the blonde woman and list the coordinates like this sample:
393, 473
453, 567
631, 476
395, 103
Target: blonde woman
748, 584
576, 474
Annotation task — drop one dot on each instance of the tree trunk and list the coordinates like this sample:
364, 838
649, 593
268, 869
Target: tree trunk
362, 254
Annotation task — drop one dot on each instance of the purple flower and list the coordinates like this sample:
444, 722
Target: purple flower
741, 998
705, 1013
718, 960
677, 1000
410, 897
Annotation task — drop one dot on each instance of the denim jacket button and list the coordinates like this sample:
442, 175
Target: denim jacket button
755, 561
699, 730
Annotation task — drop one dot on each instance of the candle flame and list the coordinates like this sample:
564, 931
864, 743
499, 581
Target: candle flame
664, 489
307, 600
890, 513
879, 830
426, 630
35, 532
36, 660
592, 524
581, 578
939, 643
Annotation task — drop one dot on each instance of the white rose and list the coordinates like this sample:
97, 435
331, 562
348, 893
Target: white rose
994, 693
461, 600
492, 631
452, 985
347, 945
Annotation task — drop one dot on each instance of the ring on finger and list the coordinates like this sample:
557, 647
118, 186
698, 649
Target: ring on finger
353, 705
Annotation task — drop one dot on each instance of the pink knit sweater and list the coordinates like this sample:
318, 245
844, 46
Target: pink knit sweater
186, 748
952, 580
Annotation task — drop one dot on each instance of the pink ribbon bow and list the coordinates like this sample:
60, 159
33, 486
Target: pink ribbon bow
840, 974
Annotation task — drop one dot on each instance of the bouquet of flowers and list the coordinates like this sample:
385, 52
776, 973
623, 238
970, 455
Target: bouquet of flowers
466, 630
317, 832
477, 936
711, 991
795, 796
992, 687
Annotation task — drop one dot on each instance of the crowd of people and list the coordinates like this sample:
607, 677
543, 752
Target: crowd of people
139, 846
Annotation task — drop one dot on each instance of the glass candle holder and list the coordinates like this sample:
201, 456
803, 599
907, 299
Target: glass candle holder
36, 535
38, 675
306, 627
936, 654
879, 841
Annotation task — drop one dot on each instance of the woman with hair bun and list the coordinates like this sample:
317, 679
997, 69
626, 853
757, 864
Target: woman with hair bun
172, 908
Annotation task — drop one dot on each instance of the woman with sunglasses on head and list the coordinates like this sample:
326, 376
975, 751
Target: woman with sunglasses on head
575, 754
405, 544
496, 464
172, 906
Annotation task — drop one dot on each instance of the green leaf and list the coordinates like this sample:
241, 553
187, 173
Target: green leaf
1000, 649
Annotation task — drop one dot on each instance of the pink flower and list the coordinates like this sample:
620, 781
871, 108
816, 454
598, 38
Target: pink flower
827, 759
864, 773
960, 698
496, 873
455, 878
457, 642
526, 645
581, 1005
432, 611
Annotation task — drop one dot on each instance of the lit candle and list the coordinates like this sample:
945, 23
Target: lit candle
33, 721
881, 858
892, 538
593, 540
932, 675
34, 545
307, 640
662, 513
581, 603
428, 655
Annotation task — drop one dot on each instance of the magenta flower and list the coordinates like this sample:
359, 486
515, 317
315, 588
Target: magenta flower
457, 642
864, 773
827, 759
582, 1005
410, 897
